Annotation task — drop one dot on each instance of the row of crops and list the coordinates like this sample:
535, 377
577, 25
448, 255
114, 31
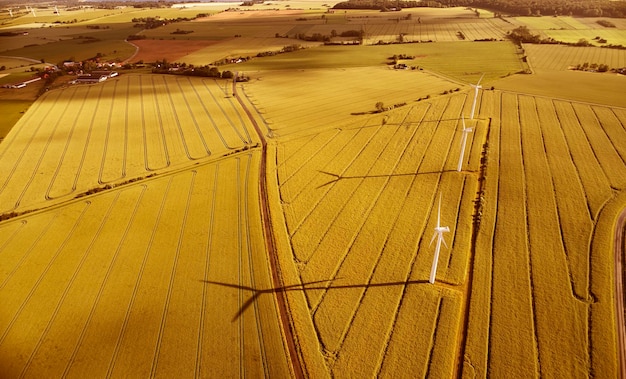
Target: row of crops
89, 136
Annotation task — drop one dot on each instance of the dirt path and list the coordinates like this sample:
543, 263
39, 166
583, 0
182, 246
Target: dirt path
271, 249
619, 292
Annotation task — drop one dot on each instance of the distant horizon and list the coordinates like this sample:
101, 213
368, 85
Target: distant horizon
13, 2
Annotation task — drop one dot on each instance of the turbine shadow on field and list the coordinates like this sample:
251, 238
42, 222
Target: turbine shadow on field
340, 177
302, 287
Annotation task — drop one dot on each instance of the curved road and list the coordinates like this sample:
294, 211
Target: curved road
620, 231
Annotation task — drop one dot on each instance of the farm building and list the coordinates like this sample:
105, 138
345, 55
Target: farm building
87, 79
23, 84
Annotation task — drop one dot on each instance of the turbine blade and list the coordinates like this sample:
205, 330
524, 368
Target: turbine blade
481, 78
432, 239
443, 240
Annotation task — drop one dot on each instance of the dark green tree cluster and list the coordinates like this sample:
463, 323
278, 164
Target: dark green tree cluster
594, 67
165, 67
384, 5
523, 35
583, 8
152, 22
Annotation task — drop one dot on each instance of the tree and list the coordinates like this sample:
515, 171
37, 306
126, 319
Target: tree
380, 106
583, 42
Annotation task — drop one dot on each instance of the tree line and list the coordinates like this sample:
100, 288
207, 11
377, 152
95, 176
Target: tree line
582, 8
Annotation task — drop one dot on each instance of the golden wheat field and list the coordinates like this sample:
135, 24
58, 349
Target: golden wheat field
174, 226
358, 204
152, 279
83, 137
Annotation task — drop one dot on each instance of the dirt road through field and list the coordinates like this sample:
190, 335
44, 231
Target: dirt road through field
269, 238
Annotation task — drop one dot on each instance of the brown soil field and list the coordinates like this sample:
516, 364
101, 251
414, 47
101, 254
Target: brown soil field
227, 16
171, 50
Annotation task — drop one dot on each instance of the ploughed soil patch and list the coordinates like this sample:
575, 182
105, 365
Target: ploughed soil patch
171, 50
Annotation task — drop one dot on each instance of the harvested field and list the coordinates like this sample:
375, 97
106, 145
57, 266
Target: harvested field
86, 137
170, 50
558, 58
162, 278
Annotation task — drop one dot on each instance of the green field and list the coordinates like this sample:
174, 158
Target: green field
496, 59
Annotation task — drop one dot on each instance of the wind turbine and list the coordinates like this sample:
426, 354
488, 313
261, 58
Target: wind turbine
11, 12
476, 86
439, 230
463, 143
56, 10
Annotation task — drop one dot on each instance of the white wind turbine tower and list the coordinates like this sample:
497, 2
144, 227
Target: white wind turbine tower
56, 10
463, 143
476, 86
439, 230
